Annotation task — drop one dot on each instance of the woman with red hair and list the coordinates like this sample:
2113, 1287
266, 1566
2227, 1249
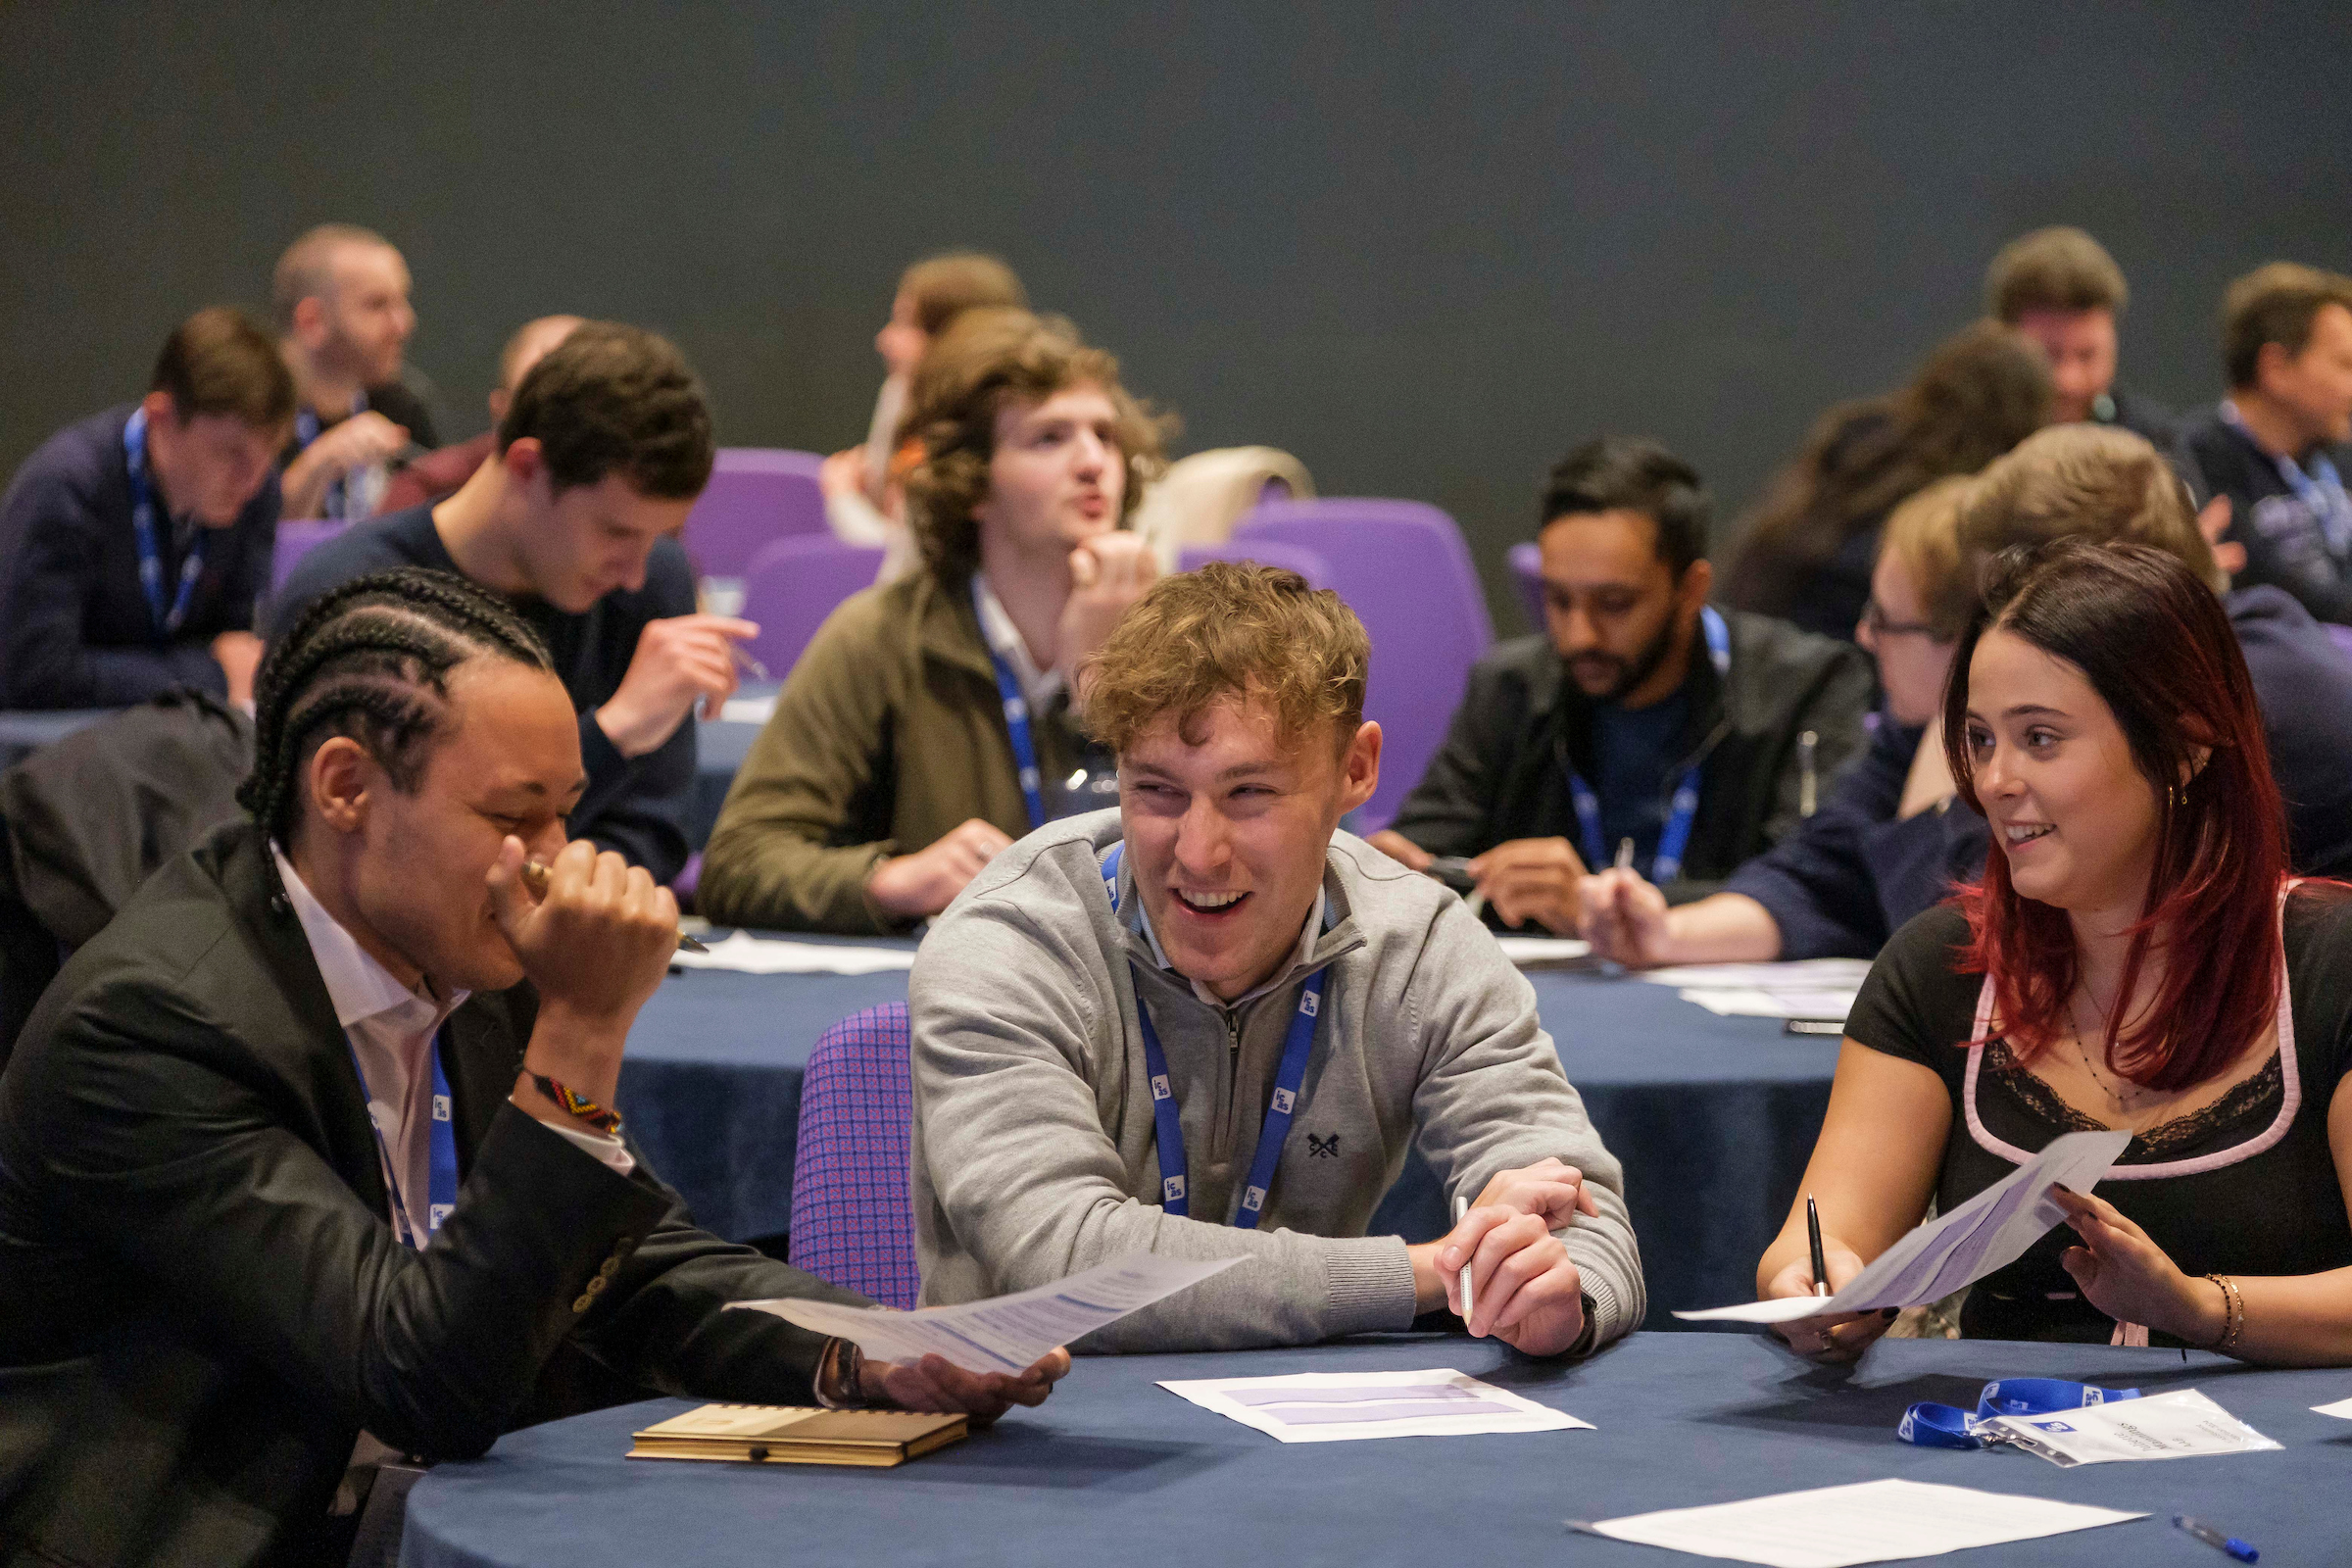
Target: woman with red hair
2135, 958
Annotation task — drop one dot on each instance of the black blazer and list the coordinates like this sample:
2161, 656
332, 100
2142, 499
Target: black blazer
201, 1301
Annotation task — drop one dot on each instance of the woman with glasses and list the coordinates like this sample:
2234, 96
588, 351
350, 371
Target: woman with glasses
2136, 957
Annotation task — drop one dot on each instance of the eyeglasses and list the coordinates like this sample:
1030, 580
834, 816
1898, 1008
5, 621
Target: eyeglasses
1874, 619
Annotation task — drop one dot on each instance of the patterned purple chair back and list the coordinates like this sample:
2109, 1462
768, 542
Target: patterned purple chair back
297, 538
1265, 552
1402, 567
852, 1222
757, 495
793, 584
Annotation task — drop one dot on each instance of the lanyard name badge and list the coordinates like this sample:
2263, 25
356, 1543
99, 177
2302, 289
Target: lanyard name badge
167, 619
441, 1161
1016, 724
1681, 808
2318, 487
1946, 1426
1280, 1107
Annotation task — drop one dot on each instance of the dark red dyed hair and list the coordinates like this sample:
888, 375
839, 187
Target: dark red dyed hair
2153, 641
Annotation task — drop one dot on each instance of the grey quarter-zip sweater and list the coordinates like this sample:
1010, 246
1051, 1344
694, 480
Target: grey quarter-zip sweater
1035, 1153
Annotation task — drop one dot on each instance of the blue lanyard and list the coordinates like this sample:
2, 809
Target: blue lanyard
441, 1165
1016, 722
1944, 1426
2318, 487
1683, 807
305, 430
1296, 1045
151, 549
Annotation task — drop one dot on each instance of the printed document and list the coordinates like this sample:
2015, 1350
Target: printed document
1538, 951
1006, 1332
1810, 987
1991, 1231
1869, 1521
2341, 1408
1346, 1406
749, 954
2180, 1425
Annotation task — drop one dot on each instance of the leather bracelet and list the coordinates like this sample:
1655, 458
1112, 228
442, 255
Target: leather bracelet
579, 1106
2233, 1313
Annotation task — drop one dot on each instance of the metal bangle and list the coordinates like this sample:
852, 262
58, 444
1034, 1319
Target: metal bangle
2233, 1313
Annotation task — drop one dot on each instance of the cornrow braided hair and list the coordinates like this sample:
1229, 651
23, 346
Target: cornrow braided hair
369, 659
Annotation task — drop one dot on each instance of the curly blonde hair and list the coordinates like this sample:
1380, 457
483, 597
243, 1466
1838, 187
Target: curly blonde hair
1230, 631
989, 360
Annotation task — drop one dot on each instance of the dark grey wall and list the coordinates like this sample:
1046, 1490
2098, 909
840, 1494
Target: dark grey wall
1426, 245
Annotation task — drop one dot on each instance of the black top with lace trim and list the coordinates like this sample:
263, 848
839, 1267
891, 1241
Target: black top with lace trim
2224, 1197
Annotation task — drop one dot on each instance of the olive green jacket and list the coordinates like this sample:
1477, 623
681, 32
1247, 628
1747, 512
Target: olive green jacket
887, 734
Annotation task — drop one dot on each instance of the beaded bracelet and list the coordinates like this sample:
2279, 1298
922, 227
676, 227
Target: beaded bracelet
2233, 1313
579, 1106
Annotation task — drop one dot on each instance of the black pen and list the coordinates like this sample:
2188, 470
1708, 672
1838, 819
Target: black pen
1821, 1263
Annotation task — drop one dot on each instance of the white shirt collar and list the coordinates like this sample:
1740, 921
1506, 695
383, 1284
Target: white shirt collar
358, 987
1300, 955
1004, 639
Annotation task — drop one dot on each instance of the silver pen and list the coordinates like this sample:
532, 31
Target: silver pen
1807, 781
1461, 1206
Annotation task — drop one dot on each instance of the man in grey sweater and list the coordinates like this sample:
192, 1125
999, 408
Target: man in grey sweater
1117, 1022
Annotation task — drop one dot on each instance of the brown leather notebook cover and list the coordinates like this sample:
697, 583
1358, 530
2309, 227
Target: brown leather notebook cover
778, 1434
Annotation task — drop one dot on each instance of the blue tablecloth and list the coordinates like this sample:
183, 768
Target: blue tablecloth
1713, 1117
1113, 1470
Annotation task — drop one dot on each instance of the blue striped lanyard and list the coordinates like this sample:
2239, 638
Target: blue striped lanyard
167, 621
2318, 487
1681, 809
1016, 722
307, 428
1296, 1045
441, 1165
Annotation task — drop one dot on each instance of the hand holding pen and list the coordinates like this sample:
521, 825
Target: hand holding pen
679, 662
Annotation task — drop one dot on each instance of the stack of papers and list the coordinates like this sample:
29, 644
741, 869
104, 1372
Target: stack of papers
2182, 1424
1006, 1332
1347, 1406
1814, 988
747, 709
1869, 1521
749, 954
1989, 1232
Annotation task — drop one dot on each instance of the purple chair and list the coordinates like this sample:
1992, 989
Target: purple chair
1402, 567
1527, 575
793, 584
297, 539
1265, 553
757, 495
853, 1223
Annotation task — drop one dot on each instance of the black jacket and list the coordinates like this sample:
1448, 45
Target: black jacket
2284, 545
76, 628
1502, 773
634, 806
202, 1303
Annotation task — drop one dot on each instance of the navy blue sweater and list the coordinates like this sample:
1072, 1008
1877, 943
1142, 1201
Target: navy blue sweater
634, 806
75, 629
1851, 875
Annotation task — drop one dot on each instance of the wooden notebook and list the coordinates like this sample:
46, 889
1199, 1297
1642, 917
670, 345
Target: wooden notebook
783, 1434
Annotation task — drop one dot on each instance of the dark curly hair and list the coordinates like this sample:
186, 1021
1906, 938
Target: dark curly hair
614, 397
987, 360
370, 660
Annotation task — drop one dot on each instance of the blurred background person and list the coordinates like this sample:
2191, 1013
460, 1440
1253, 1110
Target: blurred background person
439, 475
341, 297
2061, 289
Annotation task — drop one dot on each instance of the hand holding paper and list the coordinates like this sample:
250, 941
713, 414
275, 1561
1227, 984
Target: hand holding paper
1989, 1232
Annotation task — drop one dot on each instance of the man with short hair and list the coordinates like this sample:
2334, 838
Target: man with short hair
134, 543
1643, 715
313, 1158
442, 474
2286, 343
340, 294
2061, 289
601, 454
1210, 1025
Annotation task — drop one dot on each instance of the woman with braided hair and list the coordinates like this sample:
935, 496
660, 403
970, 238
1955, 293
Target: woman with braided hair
311, 1157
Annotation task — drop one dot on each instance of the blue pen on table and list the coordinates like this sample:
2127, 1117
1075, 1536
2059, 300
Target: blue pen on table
1821, 1261
2219, 1540
1461, 1206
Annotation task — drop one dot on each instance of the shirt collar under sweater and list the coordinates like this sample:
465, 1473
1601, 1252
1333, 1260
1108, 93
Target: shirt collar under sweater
1301, 956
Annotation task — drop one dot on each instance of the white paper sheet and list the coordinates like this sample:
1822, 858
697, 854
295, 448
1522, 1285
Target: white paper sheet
1005, 1333
1350, 1406
1739, 1003
747, 709
2341, 1408
2180, 1425
1989, 1231
749, 954
1869, 1521
1542, 950
1807, 974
